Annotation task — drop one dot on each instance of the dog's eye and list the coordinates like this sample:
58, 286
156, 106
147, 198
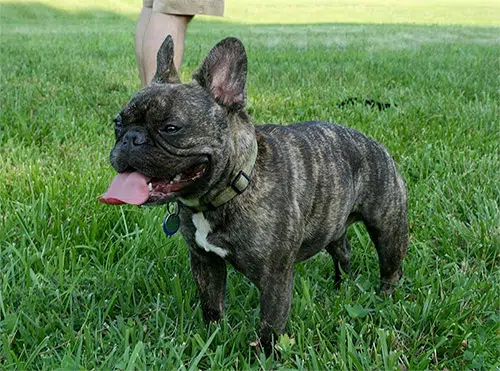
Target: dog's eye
169, 129
118, 122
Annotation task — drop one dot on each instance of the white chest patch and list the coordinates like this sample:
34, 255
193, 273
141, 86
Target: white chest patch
202, 230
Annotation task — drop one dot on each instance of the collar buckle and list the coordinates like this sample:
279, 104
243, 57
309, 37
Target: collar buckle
240, 182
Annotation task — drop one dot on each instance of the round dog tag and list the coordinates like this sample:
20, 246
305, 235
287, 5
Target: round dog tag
171, 224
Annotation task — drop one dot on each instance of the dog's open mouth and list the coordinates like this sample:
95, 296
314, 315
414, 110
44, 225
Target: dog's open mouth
135, 188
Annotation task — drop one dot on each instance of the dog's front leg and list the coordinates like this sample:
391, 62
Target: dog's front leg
275, 299
209, 273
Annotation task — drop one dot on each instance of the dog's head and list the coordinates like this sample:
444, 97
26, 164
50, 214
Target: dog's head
174, 139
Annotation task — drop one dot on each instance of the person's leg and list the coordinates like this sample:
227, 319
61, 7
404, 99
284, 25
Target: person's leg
159, 27
140, 31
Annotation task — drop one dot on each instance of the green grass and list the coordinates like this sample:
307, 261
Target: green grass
461, 12
87, 286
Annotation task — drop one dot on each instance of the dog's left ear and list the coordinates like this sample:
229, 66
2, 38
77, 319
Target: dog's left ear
165, 68
223, 73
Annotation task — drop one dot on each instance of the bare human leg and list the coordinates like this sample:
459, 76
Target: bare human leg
140, 31
157, 28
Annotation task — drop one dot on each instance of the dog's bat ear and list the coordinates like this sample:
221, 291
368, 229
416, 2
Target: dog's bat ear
223, 73
165, 68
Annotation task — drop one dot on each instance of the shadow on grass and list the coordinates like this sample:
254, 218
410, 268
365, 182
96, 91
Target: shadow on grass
38, 13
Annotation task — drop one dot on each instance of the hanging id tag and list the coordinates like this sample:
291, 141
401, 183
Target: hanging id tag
172, 222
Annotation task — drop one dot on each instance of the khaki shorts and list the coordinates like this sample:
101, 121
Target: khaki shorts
186, 7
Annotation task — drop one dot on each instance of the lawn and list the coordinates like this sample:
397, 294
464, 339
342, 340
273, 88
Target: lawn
88, 286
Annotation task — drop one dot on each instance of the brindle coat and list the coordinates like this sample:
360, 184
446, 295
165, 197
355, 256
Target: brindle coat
310, 182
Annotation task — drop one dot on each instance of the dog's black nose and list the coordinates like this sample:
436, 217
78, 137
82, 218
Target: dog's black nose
133, 138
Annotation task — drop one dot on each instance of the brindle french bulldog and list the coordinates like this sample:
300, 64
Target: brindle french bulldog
258, 197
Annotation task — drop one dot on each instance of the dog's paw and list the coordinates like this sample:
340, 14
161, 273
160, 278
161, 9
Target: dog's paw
260, 346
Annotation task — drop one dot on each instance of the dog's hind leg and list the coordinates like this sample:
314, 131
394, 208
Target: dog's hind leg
340, 251
390, 236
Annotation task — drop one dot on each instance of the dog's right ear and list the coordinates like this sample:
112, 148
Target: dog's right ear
165, 68
223, 74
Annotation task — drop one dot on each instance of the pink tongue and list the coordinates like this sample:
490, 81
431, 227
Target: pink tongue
127, 188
